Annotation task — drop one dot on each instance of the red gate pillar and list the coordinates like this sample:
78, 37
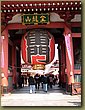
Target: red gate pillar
4, 56
69, 57
63, 63
13, 64
4, 60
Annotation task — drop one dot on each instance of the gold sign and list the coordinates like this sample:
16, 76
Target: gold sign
38, 67
35, 18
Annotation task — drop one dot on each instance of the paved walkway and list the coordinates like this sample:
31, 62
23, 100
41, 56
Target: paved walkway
54, 97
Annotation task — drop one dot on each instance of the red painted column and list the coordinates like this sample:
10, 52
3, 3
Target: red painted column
14, 63
69, 55
5, 52
63, 61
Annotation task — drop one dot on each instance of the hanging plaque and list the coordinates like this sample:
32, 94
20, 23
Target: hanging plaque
35, 18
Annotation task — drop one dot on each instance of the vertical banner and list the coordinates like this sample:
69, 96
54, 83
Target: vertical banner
1, 53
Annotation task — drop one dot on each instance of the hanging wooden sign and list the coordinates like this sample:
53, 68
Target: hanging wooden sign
38, 67
35, 18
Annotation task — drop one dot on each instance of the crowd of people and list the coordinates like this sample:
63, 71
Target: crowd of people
36, 81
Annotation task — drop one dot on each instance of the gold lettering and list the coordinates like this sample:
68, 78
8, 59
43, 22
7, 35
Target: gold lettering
28, 19
35, 19
42, 18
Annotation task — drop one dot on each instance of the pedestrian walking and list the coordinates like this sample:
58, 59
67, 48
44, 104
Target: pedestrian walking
31, 81
37, 81
22, 78
41, 80
45, 83
51, 81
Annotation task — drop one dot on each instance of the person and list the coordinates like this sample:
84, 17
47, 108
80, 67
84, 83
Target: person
51, 81
31, 81
54, 80
41, 80
37, 79
26, 80
20, 81
45, 83
22, 78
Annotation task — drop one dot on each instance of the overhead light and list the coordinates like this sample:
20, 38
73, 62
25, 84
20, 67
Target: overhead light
75, 3
32, 9
36, 9
48, 9
4, 10
44, 4
12, 10
4, 5
54, 4
24, 9
39, 4
60, 8
62, 3
8, 10
30, 4
26, 4
35, 4
8, 5
58, 3
68, 8
44, 9
66, 3
72, 8
17, 5
80, 8
80, 3
28, 9
71, 3
56, 8
76, 8
64, 8
52, 9
16, 10
40, 9
22, 5
49, 4
20, 10
13, 5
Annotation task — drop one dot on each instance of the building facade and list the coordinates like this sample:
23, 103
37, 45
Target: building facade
60, 20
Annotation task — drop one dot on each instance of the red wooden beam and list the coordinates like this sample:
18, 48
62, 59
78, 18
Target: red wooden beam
20, 26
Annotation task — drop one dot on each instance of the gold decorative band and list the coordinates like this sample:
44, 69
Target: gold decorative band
38, 67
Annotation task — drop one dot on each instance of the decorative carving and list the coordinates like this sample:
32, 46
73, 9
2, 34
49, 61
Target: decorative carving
4, 20
67, 16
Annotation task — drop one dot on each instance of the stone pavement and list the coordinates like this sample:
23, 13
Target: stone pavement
54, 97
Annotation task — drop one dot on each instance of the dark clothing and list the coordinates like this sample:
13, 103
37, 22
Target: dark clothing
45, 80
51, 81
22, 78
41, 80
31, 80
37, 80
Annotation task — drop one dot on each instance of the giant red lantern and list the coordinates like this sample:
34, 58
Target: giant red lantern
38, 47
